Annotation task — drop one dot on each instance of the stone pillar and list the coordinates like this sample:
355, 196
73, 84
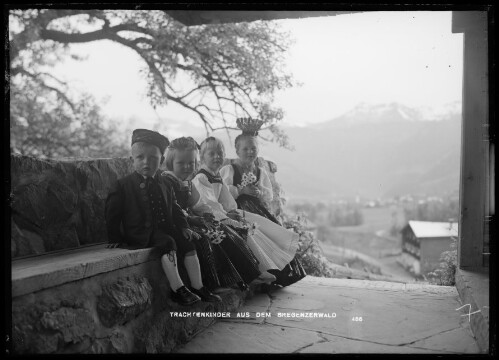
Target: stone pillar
475, 145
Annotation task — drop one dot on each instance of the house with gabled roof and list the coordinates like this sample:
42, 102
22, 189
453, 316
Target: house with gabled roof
423, 242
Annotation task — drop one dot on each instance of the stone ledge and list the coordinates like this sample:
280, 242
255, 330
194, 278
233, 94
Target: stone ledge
46, 271
127, 310
393, 322
380, 285
473, 288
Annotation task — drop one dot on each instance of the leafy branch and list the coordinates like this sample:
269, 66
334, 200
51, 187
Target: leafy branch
232, 66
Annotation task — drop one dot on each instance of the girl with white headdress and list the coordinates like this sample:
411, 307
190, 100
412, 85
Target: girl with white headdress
249, 184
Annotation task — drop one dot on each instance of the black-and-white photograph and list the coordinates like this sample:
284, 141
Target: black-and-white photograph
189, 180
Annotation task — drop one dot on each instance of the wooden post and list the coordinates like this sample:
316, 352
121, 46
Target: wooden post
474, 167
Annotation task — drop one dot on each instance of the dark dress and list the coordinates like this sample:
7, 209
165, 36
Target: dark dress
248, 202
235, 246
292, 272
216, 267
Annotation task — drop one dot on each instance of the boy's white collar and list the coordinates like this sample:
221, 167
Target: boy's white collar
145, 177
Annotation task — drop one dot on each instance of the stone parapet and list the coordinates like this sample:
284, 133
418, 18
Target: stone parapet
59, 204
124, 308
473, 288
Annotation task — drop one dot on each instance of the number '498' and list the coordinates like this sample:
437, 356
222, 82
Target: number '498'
357, 318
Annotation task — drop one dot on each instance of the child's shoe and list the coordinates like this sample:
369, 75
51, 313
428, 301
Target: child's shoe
268, 288
184, 297
206, 295
221, 290
264, 278
242, 286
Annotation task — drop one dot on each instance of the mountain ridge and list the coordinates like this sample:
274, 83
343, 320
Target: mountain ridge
390, 113
383, 150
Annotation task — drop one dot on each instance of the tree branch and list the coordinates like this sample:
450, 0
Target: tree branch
101, 34
193, 90
54, 78
158, 75
220, 70
42, 83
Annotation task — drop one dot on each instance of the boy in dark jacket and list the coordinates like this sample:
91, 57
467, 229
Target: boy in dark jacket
141, 211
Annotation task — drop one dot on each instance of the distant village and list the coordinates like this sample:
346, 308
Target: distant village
422, 227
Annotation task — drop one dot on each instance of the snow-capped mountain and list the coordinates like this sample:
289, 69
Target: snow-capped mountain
377, 114
447, 111
372, 151
392, 113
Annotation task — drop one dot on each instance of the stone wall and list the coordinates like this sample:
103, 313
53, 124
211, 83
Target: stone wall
59, 204
123, 311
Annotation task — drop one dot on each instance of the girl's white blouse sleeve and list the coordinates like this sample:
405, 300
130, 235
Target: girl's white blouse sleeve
265, 186
208, 200
226, 199
227, 173
196, 204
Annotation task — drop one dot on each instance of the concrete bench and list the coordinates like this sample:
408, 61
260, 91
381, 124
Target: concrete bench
81, 297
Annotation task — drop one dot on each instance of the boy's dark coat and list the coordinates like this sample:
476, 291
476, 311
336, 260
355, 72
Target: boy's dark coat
127, 205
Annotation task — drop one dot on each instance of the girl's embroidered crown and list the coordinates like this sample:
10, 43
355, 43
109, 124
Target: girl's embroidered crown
249, 126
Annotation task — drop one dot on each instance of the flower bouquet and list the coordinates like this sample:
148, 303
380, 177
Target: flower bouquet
245, 227
247, 179
214, 234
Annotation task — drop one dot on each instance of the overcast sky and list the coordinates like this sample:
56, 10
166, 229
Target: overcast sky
376, 57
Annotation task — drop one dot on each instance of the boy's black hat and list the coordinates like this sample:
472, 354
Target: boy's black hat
150, 137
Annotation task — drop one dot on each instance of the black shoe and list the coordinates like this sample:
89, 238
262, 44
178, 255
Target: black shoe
184, 297
242, 286
206, 295
268, 288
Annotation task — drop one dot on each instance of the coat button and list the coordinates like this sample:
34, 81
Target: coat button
148, 224
142, 185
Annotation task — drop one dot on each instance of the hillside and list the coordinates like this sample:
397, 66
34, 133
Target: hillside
384, 150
